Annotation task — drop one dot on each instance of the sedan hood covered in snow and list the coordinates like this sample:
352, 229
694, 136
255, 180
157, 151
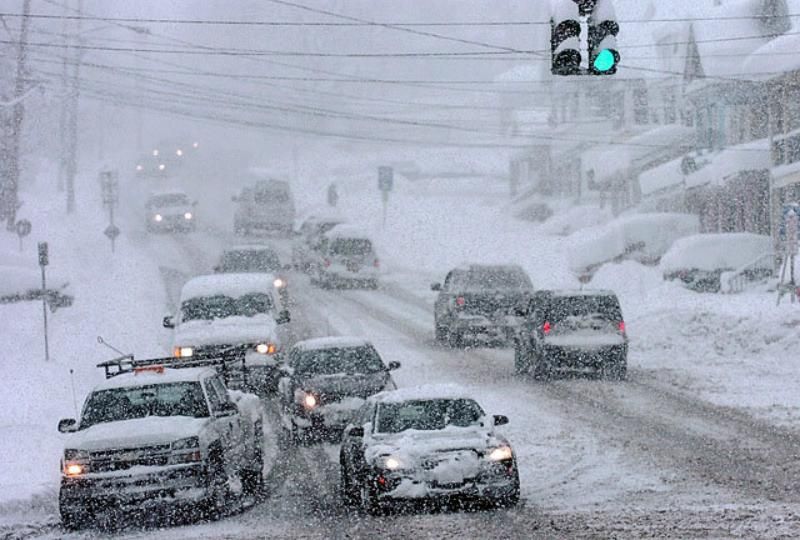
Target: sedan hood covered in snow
412, 446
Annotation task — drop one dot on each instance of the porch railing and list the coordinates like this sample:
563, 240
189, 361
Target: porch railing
735, 281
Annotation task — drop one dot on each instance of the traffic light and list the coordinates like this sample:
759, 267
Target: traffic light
603, 30
565, 31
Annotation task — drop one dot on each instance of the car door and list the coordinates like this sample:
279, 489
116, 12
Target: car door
354, 447
440, 306
228, 425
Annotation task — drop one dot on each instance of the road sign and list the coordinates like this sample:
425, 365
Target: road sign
24, 228
112, 231
44, 258
385, 178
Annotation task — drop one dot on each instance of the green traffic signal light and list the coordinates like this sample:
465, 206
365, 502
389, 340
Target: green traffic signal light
604, 61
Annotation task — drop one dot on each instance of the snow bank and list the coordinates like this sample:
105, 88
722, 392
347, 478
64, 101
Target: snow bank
575, 219
717, 251
644, 237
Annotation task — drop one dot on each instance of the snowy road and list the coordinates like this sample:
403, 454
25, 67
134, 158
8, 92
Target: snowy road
596, 458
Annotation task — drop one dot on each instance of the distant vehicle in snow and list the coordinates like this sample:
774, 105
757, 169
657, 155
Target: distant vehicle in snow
579, 330
698, 261
426, 443
170, 212
255, 258
307, 245
155, 435
267, 205
347, 258
222, 313
479, 302
326, 380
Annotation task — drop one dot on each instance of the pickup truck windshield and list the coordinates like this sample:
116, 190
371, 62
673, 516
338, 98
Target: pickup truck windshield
172, 399
172, 199
219, 307
428, 415
354, 360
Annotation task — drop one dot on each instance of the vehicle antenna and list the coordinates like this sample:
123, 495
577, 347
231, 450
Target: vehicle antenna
101, 341
74, 397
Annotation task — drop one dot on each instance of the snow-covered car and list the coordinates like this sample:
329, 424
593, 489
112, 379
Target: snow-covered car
306, 247
268, 205
326, 380
480, 303
426, 443
170, 212
346, 258
700, 260
566, 329
255, 258
154, 435
232, 314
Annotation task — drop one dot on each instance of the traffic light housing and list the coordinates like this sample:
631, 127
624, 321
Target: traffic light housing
603, 29
565, 31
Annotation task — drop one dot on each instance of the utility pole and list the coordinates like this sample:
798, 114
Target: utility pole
72, 124
10, 183
63, 115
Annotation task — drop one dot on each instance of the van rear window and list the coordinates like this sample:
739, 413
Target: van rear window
604, 307
351, 246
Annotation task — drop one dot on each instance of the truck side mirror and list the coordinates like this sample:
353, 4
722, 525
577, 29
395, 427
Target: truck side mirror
67, 425
356, 431
393, 365
168, 322
500, 420
284, 317
436, 287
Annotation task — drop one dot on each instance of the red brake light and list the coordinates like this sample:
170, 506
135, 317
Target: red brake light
377, 263
327, 262
546, 327
148, 369
460, 301
622, 326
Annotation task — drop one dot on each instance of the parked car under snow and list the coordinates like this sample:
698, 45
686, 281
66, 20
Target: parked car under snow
699, 260
426, 443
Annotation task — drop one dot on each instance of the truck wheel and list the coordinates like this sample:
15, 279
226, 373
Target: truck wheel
441, 333
216, 491
74, 518
369, 501
510, 500
455, 339
347, 492
616, 370
542, 370
253, 478
521, 362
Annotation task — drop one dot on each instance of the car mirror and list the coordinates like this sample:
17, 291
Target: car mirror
67, 425
500, 420
168, 322
393, 365
284, 317
521, 311
227, 409
356, 431
436, 287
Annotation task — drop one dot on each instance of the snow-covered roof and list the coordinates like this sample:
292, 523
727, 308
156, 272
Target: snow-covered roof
331, 342
250, 247
346, 231
750, 156
716, 251
779, 55
563, 293
169, 375
233, 285
431, 391
662, 177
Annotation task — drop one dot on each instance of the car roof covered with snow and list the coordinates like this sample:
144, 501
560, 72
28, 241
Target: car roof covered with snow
233, 285
345, 230
562, 293
332, 342
423, 393
249, 247
151, 376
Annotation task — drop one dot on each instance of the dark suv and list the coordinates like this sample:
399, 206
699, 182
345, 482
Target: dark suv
572, 330
481, 303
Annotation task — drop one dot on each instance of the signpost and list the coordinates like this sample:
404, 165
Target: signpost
385, 184
44, 260
109, 184
23, 228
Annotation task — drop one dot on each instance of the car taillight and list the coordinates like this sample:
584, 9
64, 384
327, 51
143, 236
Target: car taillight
377, 263
622, 327
460, 301
546, 327
327, 262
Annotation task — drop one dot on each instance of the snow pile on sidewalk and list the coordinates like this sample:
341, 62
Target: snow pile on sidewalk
119, 297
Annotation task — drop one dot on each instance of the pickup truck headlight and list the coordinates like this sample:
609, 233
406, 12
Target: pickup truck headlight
391, 463
76, 462
185, 451
501, 453
308, 400
183, 352
266, 348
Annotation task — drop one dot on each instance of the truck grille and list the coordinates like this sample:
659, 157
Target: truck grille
123, 459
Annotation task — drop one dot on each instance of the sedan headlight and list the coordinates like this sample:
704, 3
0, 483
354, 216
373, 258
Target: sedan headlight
266, 348
501, 453
307, 399
279, 283
188, 216
391, 463
158, 217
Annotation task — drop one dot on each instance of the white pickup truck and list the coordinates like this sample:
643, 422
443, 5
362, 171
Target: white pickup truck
155, 435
